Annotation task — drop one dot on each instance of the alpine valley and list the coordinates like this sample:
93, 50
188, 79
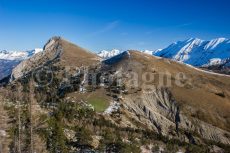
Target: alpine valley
66, 99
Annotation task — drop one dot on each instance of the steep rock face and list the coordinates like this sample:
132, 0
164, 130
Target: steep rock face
52, 51
165, 117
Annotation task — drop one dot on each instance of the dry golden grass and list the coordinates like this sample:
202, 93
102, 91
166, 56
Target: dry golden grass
74, 55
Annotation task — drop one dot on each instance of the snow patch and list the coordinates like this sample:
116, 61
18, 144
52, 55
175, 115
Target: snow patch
114, 107
213, 61
3, 133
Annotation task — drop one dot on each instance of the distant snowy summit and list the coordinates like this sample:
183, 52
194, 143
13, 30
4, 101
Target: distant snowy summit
105, 54
192, 51
10, 59
198, 52
18, 55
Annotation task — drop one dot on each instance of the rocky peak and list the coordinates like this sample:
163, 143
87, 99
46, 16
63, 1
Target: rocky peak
56, 50
51, 42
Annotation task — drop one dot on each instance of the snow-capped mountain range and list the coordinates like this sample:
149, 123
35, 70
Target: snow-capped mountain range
10, 59
192, 51
18, 55
198, 52
105, 54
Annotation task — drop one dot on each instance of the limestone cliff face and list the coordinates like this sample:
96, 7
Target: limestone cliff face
52, 51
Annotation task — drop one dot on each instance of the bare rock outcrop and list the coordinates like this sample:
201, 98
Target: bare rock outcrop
167, 119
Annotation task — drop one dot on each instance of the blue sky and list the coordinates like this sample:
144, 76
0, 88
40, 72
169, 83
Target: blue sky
107, 24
